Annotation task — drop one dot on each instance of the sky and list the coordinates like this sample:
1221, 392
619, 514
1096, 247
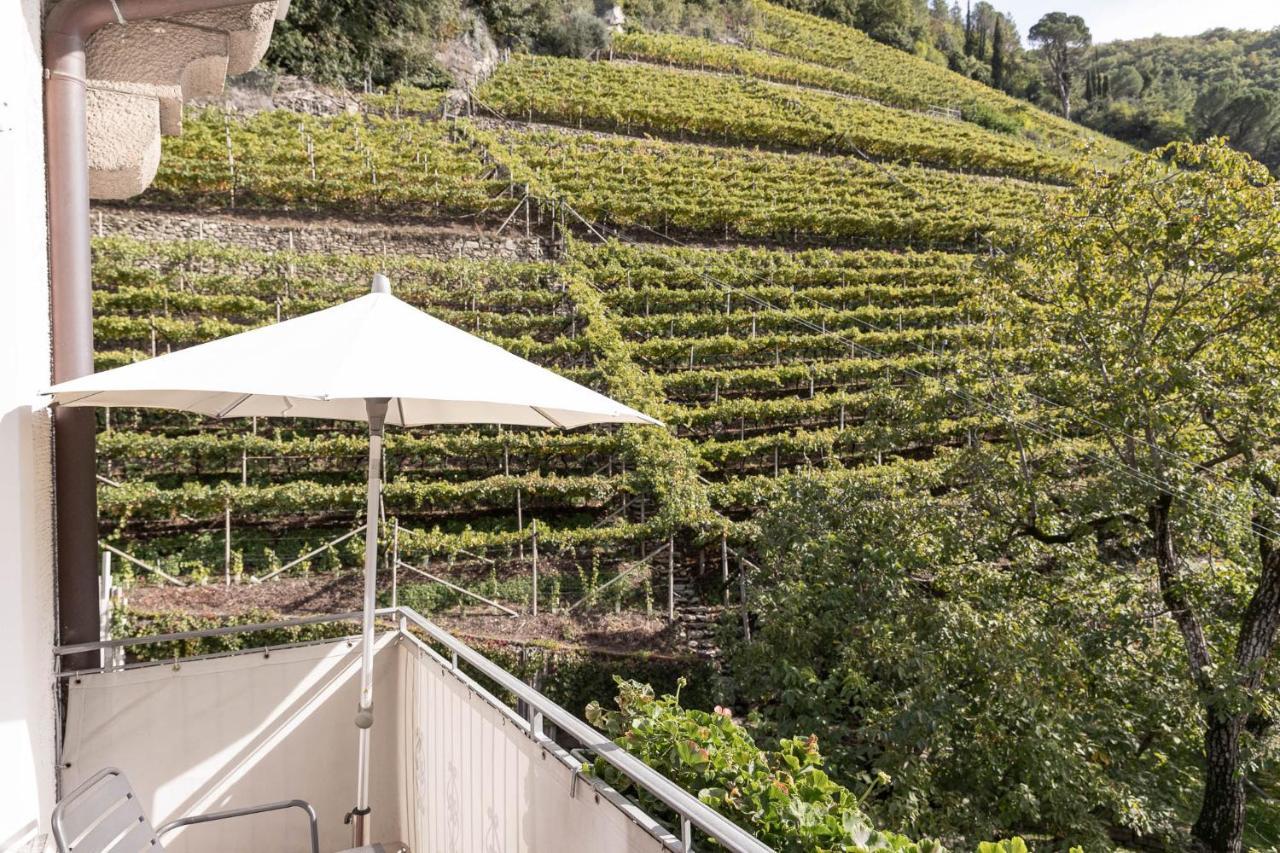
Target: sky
1125, 19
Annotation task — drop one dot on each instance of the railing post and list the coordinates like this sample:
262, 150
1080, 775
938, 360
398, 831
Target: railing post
395, 562
534, 543
535, 725
104, 608
226, 541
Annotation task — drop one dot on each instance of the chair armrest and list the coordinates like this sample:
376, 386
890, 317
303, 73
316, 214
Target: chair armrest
245, 811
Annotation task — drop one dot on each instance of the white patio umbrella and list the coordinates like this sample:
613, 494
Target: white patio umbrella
374, 359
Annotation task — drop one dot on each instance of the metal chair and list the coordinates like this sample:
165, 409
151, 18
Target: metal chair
103, 815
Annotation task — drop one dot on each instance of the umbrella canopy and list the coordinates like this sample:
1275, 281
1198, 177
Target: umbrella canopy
374, 359
327, 364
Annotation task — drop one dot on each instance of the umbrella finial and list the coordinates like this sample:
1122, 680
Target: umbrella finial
381, 284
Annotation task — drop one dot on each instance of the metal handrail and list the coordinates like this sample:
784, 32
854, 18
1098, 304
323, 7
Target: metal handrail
313, 823
689, 807
221, 631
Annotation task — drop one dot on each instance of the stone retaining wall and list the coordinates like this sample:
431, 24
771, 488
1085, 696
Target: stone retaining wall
316, 235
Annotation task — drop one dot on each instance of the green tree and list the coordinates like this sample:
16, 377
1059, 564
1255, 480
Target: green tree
1001, 689
343, 41
1127, 82
1062, 39
1150, 300
997, 56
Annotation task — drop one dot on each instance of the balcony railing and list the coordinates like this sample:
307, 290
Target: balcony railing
456, 766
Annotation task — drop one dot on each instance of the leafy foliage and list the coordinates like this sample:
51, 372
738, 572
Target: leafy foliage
1157, 318
782, 796
1000, 696
1162, 89
340, 41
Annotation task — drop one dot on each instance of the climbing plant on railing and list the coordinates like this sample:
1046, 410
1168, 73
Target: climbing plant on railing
782, 796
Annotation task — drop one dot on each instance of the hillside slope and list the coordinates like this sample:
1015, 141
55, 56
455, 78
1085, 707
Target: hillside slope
764, 360
1219, 83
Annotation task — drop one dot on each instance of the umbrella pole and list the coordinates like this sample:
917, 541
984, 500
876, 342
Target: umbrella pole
376, 408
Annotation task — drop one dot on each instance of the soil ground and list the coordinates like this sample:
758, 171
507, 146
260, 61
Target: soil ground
605, 633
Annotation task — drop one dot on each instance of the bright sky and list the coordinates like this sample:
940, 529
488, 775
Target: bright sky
1124, 19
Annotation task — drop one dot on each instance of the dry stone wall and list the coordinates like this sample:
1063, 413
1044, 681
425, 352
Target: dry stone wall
317, 235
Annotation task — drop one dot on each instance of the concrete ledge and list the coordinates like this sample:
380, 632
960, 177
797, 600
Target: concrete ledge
123, 130
142, 72
161, 53
248, 30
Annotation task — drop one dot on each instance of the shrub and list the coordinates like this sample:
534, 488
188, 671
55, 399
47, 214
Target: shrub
782, 796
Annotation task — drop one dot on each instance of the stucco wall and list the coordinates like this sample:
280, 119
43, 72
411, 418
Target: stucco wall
26, 564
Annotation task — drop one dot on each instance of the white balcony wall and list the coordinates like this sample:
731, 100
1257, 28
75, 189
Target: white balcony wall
475, 782
26, 559
453, 772
238, 731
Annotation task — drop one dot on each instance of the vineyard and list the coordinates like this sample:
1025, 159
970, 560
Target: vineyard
966, 418
816, 328
636, 98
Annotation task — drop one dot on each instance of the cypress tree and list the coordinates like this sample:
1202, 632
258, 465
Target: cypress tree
968, 29
997, 56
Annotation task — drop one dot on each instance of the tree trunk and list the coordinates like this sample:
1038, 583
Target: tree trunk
1220, 826
1064, 90
1169, 571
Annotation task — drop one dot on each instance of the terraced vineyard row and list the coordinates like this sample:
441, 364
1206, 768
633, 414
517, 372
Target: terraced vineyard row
412, 167
354, 163
633, 98
751, 405
917, 85
718, 192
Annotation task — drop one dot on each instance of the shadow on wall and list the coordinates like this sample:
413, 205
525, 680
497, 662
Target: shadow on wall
26, 631
238, 731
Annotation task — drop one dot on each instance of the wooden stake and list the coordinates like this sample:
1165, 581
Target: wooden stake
520, 521
671, 578
534, 543
724, 565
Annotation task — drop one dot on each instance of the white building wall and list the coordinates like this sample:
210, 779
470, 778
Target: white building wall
26, 560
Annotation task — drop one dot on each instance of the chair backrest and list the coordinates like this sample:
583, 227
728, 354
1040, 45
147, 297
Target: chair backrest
103, 816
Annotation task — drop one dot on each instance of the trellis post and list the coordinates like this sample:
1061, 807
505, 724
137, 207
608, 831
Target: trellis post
671, 578
742, 594
724, 565
520, 521
533, 541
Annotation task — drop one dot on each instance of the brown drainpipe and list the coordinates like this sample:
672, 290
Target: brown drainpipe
66, 29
